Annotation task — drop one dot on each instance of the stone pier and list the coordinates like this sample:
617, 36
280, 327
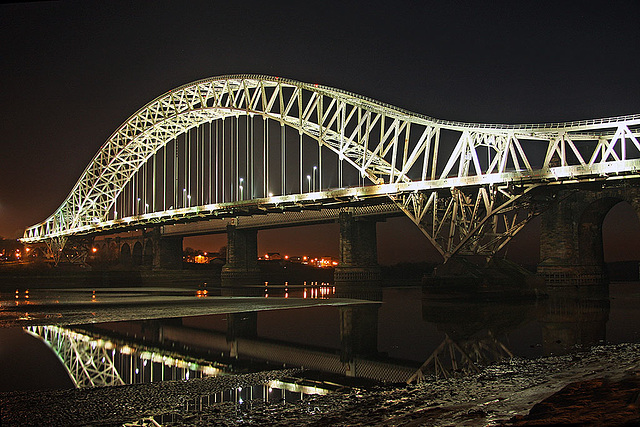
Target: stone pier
242, 258
167, 253
571, 251
358, 250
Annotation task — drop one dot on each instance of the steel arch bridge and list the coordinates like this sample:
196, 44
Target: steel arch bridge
469, 187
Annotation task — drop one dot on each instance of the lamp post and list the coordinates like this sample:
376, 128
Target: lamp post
309, 180
314, 177
184, 197
240, 187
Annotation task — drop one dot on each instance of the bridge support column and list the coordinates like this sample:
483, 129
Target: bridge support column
242, 258
571, 243
167, 251
358, 251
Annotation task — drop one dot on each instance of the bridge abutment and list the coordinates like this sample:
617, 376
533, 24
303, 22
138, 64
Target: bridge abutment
571, 243
358, 250
561, 260
242, 258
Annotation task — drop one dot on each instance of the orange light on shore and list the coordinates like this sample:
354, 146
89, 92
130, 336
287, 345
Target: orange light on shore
94, 250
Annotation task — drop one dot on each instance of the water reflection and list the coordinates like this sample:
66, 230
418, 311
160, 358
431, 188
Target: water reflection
389, 334
93, 360
575, 318
237, 339
475, 332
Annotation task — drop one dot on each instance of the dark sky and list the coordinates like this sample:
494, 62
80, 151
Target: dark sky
72, 72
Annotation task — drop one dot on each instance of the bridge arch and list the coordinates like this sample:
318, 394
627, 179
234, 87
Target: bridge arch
148, 253
183, 109
590, 243
572, 234
125, 254
113, 255
136, 254
103, 252
455, 192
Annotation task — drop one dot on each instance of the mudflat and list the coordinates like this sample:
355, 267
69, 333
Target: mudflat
595, 387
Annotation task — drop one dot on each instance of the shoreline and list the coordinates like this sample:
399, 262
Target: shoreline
494, 396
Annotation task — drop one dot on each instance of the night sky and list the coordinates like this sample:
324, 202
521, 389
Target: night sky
72, 72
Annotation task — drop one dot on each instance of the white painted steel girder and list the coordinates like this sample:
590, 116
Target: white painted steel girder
410, 158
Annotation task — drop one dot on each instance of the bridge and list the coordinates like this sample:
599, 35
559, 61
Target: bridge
234, 147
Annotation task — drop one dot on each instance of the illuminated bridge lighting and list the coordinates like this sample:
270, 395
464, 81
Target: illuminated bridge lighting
204, 151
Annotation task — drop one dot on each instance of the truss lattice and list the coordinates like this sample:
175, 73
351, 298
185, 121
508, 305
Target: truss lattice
467, 186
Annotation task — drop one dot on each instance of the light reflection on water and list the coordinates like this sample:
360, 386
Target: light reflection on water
386, 342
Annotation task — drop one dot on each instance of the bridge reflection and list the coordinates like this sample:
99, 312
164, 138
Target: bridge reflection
575, 318
571, 318
473, 334
93, 360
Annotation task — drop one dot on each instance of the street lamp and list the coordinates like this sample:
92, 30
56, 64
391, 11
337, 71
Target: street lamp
184, 197
146, 207
189, 199
309, 180
240, 188
314, 177
137, 207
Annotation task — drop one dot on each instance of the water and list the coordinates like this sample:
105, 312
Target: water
134, 335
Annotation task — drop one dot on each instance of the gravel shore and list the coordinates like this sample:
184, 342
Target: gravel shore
501, 394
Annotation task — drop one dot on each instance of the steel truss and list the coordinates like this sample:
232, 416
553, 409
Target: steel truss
89, 363
74, 249
475, 221
463, 184
453, 358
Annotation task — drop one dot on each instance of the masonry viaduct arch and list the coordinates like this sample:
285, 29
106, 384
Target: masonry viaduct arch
571, 244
